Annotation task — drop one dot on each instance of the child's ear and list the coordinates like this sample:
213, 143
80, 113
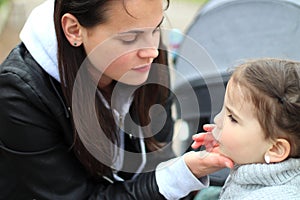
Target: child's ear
279, 151
72, 29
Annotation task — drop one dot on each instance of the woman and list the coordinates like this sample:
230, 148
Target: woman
85, 130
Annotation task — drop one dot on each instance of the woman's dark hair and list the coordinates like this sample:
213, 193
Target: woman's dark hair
90, 13
273, 86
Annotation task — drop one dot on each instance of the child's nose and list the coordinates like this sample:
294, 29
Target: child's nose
218, 120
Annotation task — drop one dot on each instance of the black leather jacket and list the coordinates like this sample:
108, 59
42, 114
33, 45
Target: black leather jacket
36, 161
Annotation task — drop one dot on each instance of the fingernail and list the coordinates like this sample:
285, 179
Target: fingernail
228, 165
193, 144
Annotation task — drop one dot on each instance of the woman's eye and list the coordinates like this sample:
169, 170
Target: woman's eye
128, 39
232, 119
157, 30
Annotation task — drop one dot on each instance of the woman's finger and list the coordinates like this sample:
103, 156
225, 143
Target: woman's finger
208, 127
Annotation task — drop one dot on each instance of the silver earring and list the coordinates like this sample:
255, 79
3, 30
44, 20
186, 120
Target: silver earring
75, 44
267, 158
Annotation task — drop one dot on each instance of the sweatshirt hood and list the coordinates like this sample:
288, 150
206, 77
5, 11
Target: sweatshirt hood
38, 35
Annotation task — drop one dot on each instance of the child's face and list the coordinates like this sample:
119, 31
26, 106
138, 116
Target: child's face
238, 131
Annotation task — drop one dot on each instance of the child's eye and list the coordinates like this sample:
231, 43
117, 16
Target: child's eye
232, 119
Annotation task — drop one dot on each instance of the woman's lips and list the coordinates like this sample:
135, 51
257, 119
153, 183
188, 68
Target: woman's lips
144, 68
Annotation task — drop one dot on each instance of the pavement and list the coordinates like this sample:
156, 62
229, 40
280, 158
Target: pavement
179, 15
17, 14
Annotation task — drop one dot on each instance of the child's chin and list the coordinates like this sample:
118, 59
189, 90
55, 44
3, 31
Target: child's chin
223, 153
228, 156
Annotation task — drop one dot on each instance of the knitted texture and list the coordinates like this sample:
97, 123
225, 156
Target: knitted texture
264, 181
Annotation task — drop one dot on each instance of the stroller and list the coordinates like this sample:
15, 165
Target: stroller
224, 33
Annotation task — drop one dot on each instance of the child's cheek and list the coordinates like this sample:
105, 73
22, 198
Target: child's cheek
228, 144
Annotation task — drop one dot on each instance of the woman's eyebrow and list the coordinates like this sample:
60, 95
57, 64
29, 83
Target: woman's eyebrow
138, 31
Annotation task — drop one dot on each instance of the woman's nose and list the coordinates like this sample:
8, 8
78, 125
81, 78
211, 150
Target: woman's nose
150, 52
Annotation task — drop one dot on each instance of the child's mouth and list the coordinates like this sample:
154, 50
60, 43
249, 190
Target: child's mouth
216, 134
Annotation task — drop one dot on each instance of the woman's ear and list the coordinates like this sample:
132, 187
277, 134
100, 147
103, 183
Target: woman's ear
279, 151
72, 29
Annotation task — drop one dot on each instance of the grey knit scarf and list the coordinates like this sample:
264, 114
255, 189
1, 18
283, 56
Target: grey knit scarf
264, 181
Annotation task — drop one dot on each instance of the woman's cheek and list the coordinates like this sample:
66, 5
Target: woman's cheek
121, 65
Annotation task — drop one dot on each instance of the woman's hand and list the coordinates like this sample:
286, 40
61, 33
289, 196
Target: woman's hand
205, 139
202, 163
